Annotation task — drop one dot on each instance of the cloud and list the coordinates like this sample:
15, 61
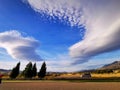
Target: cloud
102, 30
19, 47
100, 18
68, 10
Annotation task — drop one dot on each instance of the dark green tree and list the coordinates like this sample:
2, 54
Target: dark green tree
27, 73
42, 72
34, 70
15, 71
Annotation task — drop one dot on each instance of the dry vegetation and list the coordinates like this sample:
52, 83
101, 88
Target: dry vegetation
64, 84
94, 75
73, 76
105, 75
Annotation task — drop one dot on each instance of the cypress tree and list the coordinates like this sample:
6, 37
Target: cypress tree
15, 71
28, 71
34, 70
42, 72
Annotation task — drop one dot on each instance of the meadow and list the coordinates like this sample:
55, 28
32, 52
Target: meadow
73, 76
68, 81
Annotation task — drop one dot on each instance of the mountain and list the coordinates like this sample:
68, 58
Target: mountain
4, 71
113, 66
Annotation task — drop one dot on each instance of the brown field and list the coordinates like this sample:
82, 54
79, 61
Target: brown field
57, 85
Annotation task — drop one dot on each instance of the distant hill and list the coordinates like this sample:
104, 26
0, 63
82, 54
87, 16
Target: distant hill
2, 71
112, 66
115, 65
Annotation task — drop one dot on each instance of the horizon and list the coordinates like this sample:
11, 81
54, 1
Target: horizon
69, 35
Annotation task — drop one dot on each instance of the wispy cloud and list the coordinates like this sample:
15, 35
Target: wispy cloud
102, 30
19, 47
100, 18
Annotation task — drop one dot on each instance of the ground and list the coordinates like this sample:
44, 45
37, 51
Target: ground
59, 85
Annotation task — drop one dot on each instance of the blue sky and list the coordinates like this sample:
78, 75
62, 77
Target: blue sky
67, 37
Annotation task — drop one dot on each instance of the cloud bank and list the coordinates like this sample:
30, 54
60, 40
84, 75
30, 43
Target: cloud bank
18, 46
100, 18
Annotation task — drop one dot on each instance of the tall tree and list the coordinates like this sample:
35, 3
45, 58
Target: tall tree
34, 70
15, 71
42, 72
28, 71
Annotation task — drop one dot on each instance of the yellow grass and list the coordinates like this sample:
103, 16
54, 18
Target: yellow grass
106, 75
78, 75
70, 75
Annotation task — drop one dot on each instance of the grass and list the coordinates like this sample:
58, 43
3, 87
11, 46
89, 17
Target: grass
106, 75
113, 79
65, 82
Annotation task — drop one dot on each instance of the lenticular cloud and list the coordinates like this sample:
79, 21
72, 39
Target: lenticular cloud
101, 19
19, 47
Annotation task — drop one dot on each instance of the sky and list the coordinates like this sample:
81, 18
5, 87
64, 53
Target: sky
69, 35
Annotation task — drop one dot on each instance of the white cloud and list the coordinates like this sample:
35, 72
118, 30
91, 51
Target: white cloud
64, 9
101, 19
102, 30
18, 46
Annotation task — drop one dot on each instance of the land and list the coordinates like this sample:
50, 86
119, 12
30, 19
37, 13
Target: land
59, 85
65, 81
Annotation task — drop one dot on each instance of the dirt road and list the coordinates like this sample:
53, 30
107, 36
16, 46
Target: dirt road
60, 86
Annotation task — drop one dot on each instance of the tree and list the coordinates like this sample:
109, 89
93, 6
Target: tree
15, 71
27, 73
34, 70
42, 72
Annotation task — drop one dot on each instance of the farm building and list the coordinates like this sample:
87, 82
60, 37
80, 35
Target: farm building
86, 75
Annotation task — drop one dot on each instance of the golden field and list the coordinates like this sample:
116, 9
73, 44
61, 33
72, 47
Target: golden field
76, 75
94, 75
68, 84
106, 75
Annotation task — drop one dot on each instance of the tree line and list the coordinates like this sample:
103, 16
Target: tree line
29, 71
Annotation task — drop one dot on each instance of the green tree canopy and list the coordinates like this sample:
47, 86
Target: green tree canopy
34, 70
42, 72
28, 71
15, 71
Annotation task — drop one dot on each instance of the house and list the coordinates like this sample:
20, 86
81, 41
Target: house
86, 75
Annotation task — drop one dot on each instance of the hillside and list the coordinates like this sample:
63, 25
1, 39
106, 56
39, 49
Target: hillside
3, 71
113, 66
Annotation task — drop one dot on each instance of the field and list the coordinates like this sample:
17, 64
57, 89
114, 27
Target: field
104, 75
59, 85
71, 81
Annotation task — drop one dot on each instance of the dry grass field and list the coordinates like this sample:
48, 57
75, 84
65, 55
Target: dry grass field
77, 75
65, 84
106, 75
57, 85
